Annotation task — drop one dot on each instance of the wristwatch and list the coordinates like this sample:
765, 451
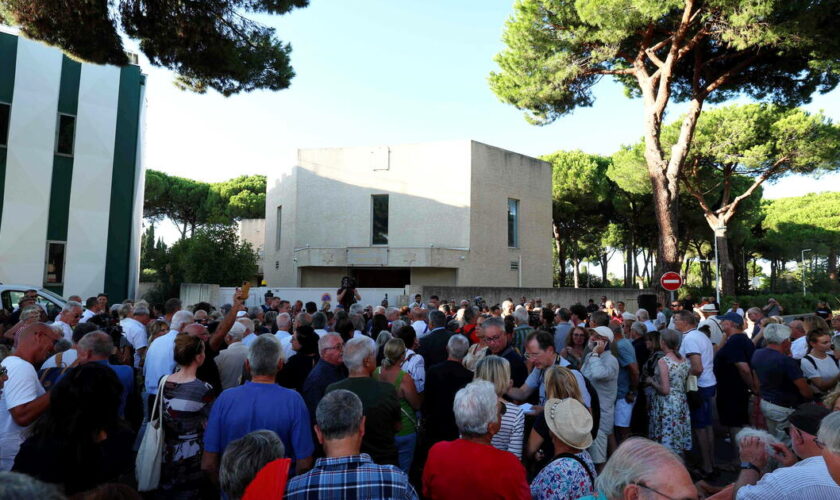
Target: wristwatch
750, 465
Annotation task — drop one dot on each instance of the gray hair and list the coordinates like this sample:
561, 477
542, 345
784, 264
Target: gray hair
493, 321
33, 311
639, 327
98, 342
70, 305
642, 315
636, 460
284, 322
303, 319
356, 309
254, 311
245, 457
358, 321
141, 309
520, 314
686, 317
357, 350
14, 485
339, 414
125, 310
476, 407
457, 346
247, 323
237, 331
383, 338
829, 432
775, 333
62, 345
319, 321
263, 355
437, 319
324, 342
180, 319
671, 338
396, 325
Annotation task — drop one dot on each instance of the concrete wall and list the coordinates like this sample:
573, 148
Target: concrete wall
498, 175
447, 214
253, 231
563, 296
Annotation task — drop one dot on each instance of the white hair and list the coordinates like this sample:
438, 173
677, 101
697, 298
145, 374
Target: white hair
237, 331
180, 319
264, 354
520, 314
324, 342
357, 350
396, 325
636, 460
70, 305
642, 315
457, 346
356, 309
476, 407
248, 323
284, 321
775, 333
765, 437
829, 432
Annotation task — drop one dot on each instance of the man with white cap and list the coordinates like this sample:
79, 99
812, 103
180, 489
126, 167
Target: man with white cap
601, 368
571, 474
232, 360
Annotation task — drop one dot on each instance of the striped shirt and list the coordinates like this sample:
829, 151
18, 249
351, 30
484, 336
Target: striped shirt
352, 477
510, 435
806, 480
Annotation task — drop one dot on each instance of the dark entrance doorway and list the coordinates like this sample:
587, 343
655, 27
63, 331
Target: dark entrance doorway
381, 277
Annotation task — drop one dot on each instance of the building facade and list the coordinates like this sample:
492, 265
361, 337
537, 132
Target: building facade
451, 213
71, 176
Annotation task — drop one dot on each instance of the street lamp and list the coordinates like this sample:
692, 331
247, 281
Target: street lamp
802, 261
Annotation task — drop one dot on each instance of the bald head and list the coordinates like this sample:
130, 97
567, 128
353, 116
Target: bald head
797, 329
36, 342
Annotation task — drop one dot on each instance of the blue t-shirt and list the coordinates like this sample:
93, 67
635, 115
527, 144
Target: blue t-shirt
254, 406
626, 355
776, 373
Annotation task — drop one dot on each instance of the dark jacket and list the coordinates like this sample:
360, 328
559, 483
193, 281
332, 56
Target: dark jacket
443, 380
433, 346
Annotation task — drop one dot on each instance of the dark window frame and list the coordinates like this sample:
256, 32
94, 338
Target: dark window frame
378, 237
4, 138
63, 269
58, 135
513, 223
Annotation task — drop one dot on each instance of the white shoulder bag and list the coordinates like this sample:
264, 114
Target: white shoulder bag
150, 455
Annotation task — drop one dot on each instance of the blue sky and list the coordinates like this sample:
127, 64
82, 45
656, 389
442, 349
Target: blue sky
385, 72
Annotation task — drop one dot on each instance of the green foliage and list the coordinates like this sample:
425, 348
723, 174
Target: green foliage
214, 254
794, 224
190, 203
794, 303
208, 43
556, 50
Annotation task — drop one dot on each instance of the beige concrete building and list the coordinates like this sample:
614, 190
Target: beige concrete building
253, 231
450, 213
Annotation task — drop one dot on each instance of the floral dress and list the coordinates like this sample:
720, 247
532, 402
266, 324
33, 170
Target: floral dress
565, 478
670, 423
186, 408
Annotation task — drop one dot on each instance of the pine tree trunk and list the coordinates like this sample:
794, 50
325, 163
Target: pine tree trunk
727, 270
576, 268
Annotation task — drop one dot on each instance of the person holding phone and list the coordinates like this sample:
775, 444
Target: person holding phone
347, 295
601, 368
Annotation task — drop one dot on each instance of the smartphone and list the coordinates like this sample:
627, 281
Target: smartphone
243, 292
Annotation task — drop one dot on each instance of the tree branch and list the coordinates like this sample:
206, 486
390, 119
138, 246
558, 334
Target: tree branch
758, 181
722, 79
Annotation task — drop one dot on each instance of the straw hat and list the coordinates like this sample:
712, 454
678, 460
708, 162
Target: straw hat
570, 421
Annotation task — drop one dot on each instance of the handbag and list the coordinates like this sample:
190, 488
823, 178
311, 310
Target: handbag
150, 455
692, 393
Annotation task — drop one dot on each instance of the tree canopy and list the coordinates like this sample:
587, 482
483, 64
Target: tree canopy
664, 50
190, 203
207, 43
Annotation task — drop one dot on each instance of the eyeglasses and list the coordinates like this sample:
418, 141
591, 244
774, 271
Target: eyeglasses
663, 495
339, 347
532, 355
493, 339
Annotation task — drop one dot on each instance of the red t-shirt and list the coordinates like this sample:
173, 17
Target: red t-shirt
462, 469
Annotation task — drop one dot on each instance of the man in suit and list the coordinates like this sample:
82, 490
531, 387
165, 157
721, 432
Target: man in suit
433, 344
443, 380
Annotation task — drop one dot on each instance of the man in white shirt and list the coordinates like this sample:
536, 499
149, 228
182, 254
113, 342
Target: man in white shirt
68, 318
414, 364
24, 398
736, 308
134, 329
231, 361
284, 325
91, 309
806, 479
160, 356
698, 349
249, 336
644, 316
799, 344
418, 317
418, 302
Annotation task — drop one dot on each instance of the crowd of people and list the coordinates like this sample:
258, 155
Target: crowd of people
441, 399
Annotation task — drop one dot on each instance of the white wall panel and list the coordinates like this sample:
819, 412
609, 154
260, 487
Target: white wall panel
90, 193
29, 163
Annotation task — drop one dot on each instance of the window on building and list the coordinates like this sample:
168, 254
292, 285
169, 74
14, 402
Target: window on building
54, 267
64, 136
513, 223
279, 219
380, 219
5, 111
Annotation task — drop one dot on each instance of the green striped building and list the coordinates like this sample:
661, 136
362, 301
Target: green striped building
71, 175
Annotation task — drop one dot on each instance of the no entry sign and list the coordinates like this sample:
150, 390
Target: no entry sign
671, 281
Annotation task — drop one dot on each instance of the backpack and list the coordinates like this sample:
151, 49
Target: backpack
814, 362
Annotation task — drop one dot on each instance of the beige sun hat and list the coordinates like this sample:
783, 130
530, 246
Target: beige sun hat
570, 421
605, 331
